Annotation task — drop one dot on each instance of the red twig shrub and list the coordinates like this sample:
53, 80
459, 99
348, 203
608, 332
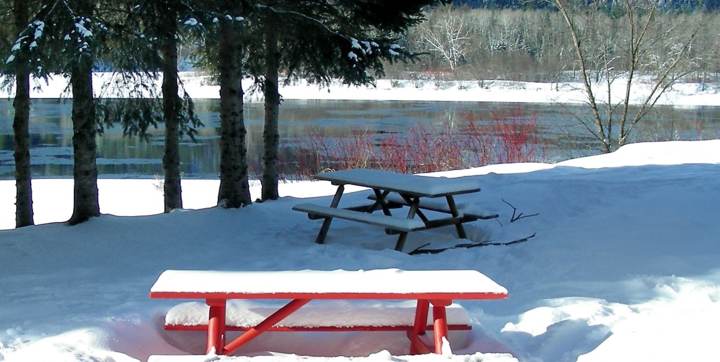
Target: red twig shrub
517, 133
509, 136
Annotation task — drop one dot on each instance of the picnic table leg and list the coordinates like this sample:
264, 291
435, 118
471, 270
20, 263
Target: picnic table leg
380, 199
419, 212
216, 326
455, 214
411, 214
418, 329
266, 324
440, 323
326, 223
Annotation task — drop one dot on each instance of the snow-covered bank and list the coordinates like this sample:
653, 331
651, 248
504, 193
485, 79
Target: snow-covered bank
201, 87
623, 266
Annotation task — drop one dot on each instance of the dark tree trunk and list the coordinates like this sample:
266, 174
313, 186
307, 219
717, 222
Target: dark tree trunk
234, 189
84, 148
272, 109
171, 110
23, 180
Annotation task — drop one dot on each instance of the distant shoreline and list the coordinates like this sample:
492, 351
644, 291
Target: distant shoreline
200, 86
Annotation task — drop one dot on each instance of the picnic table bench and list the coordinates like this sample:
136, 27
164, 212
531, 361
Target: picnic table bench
392, 190
218, 288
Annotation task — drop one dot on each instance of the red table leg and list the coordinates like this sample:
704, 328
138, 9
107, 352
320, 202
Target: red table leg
440, 322
421, 312
270, 321
216, 326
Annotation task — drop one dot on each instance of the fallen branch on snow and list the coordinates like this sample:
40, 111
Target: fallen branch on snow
517, 216
420, 250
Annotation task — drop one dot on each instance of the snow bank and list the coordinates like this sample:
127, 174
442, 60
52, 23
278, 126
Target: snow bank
623, 266
649, 153
77, 345
202, 86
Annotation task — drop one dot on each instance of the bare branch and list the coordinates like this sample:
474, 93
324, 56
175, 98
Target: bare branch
421, 249
517, 216
581, 57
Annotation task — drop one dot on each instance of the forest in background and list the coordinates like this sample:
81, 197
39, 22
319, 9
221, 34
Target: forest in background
529, 41
533, 44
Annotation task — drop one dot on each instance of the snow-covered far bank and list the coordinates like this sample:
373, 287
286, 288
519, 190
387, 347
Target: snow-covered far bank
623, 266
201, 86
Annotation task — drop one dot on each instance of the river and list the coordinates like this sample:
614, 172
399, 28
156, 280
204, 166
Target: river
555, 133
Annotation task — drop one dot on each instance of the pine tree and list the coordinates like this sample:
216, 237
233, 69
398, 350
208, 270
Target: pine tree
271, 135
64, 36
168, 32
318, 42
234, 188
21, 136
146, 44
221, 29
324, 40
85, 191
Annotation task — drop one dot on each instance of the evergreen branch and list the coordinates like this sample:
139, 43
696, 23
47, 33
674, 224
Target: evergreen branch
303, 16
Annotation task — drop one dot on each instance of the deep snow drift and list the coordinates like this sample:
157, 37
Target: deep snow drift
623, 267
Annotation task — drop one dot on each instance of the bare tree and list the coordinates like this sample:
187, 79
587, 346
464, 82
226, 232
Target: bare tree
642, 48
446, 34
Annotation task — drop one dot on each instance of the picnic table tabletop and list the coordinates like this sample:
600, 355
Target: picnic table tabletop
314, 284
417, 185
431, 287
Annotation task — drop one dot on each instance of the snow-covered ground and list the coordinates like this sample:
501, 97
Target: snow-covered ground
623, 267
202, 86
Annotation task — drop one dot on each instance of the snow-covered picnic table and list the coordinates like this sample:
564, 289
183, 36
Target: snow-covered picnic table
415, 191
437, 288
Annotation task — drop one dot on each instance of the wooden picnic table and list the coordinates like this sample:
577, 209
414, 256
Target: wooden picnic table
437, 288
414, 191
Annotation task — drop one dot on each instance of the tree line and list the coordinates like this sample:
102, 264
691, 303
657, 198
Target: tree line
316, 40
707, 5
533, 44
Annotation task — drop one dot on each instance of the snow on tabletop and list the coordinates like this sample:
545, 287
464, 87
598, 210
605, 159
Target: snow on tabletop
382, 356
390, 281
422, 185
336, 313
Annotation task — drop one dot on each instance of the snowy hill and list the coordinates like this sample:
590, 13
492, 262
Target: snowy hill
623, 265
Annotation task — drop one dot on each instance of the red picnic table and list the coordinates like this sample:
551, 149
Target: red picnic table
437, 288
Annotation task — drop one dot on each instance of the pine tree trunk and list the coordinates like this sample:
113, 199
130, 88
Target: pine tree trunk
171, 158
272, 109
21, 104
234, 189
84, 147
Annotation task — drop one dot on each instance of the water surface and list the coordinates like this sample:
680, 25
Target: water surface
559, 134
